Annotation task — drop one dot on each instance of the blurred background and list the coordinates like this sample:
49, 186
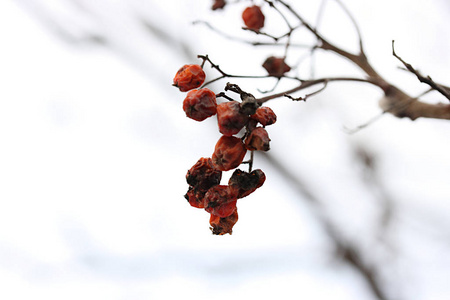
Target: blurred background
95, 147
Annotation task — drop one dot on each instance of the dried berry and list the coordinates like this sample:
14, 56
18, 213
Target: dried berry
229, 118
253, 17
195, 197
203, 175
218, 4
245, 183
221, 226
276, 66
265, 116
220, 201
228, 153
200, 104
258, 139
189, 77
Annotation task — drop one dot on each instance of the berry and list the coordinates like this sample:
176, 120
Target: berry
200, 104
245, 183
221, 226
228, 153
253, 17
276, 66
265, 116
229, 118
189, 77
258, 140
203, 175
220, 200
195, 197
218, 4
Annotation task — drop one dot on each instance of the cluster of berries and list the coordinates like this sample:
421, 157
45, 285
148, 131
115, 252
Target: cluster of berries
205, 190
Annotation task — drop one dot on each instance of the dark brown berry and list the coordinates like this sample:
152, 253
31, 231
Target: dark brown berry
258, 139
203, 175
245, 183
276, 66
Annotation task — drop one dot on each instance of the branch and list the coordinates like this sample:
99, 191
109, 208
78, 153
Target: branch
445, 91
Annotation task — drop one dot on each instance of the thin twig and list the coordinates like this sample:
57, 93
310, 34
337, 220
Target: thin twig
445, 91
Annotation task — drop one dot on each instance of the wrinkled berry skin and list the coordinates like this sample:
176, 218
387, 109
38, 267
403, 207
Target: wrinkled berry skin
276, 66
203, 175
189, 77
220, 201
245, 183
253, 17
229, 153
195, 197
200, 104
229, 118
265, 116
258, 140
221, 226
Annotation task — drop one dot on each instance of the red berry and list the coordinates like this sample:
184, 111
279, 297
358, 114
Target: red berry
220, 201
200, 104
221, 226
218, 4
228, 153
195, 197
265, 116
253, 17
203, 175
258, 140
229, 118
276, 66
245, 183
189, 77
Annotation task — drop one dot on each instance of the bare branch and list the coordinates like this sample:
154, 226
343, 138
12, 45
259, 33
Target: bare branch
445, 91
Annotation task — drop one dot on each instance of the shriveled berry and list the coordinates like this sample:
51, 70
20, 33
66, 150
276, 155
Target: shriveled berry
276, 66
258, 139
229, 118
253, 17
189, 77
203, 175
265, 116
245, 183
195, 197
200, 104
218, 4
220, 201
221, 226
228, 153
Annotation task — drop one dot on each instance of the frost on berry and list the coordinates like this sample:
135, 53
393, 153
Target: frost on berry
220, 201
265, 116
228, 153
221, 226
229, 118
200, 104
218, 4
276, 66
203, 175
189, 77
245, 183
253, 17
258, 139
